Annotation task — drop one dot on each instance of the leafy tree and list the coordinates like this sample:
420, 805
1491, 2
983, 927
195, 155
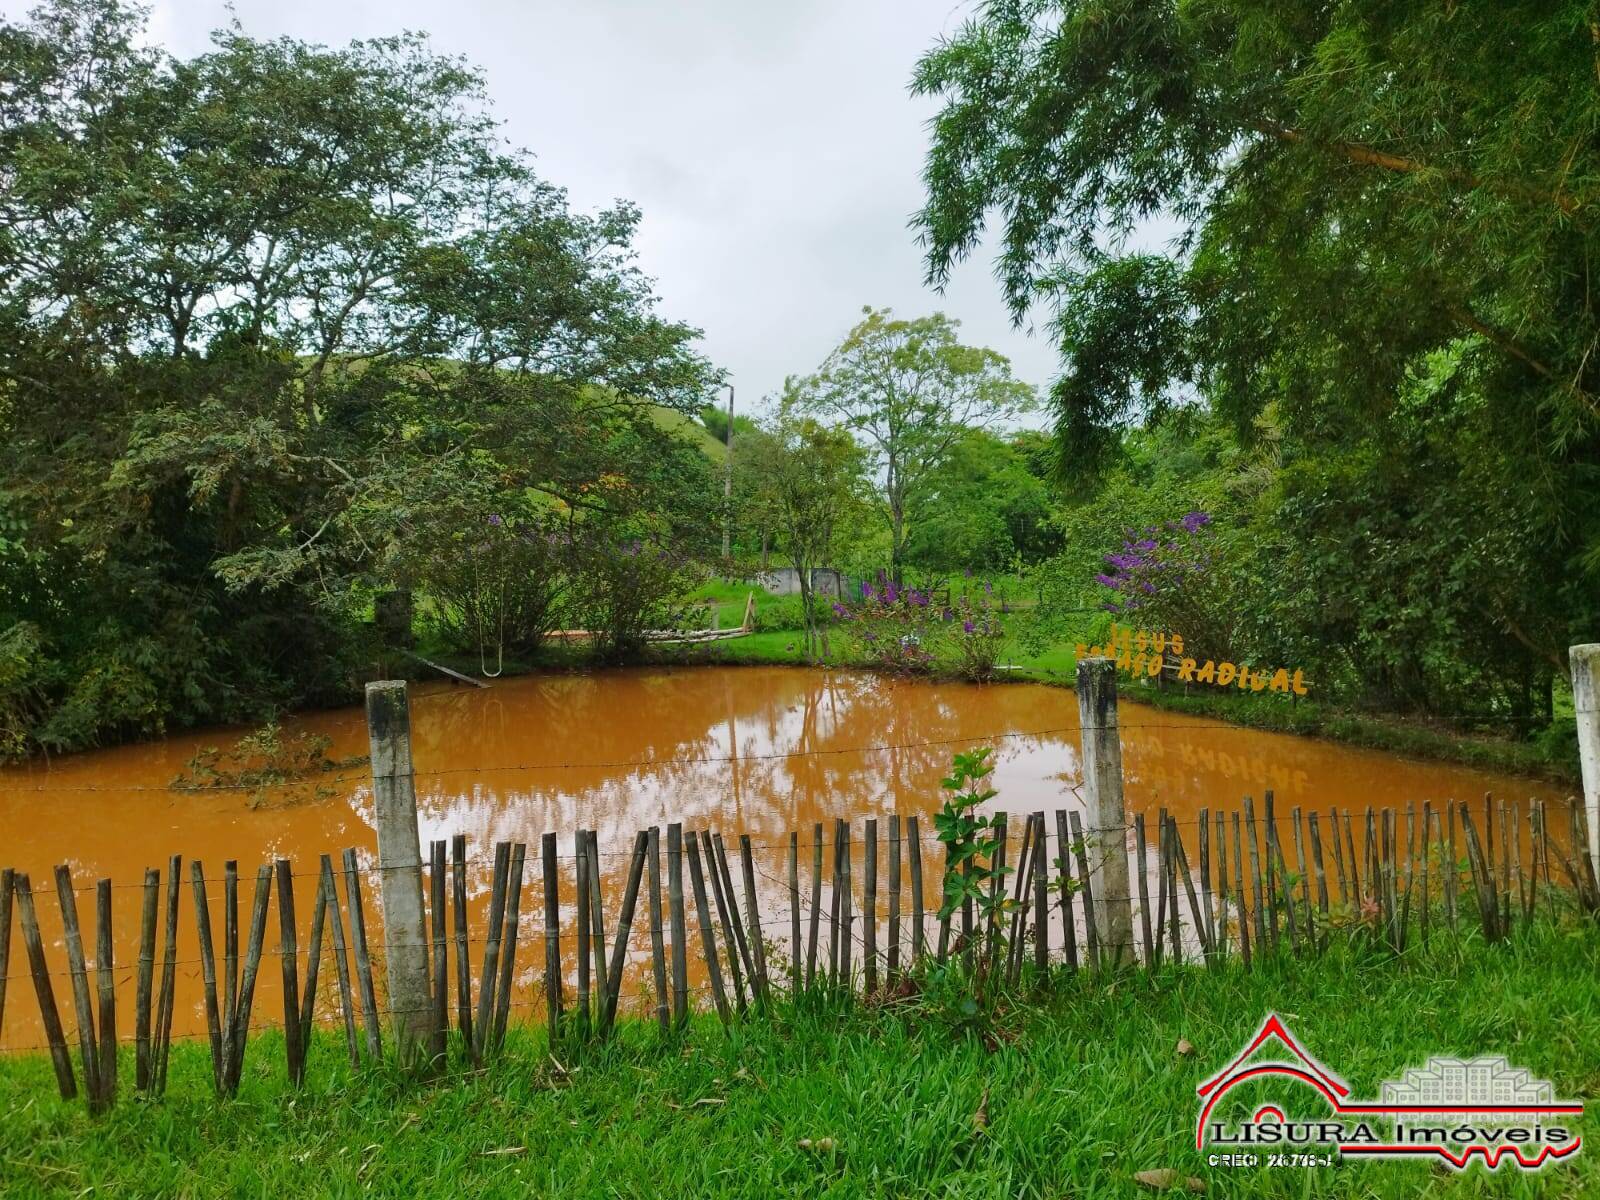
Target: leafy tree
1381, 279
909, 390
264, 314
985, 508
812, 479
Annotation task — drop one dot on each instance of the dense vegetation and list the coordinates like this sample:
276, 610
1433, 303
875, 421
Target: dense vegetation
1370, 353
282, 326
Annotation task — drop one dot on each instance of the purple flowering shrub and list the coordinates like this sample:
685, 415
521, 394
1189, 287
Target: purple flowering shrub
624, 587
890, 626
1175, 577
974, 634
908, 630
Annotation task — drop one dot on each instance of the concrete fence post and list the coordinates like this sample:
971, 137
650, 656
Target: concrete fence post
1585, 662
1102, 794
400, 867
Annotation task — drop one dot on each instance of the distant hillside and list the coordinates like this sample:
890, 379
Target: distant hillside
686, 426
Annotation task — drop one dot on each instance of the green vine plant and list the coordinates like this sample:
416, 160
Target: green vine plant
265, 761
971, 844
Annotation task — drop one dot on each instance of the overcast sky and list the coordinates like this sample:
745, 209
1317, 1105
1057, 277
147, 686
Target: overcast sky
772, 147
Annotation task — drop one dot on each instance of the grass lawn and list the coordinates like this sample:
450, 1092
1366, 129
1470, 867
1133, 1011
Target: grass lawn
1074, 1095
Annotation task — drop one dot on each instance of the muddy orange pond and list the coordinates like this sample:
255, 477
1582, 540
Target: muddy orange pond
761, 751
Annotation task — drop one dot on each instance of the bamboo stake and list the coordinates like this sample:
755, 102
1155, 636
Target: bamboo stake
894, 899
1427, 853
1040, 871
1195, 908
7, 885
1019, 912
49, 1016
1452, 879
1238, 892
169, 976
1064, 877
208, 969
1269, 831
1351, 861
230, 946
341, 959
552, 944
1257, 894
1090, 924
1169, 861
942, 946
458, 898
835, 894
1300, 865
997, 890
358, 941
81, 1003
1488, 907
708, 938
1143, 858
585, 932
752, 905
1316, 865
1161, 883
735, 916
489, 975
1203, 845
239, 1033
1220, 842
619, 950
680, 928
597, 917
869, 904
288, 950
308, 1001
919, 935
508, 943
658, 941
1338, 857
106, 971
440, 917
708, 848
816, 902
846, 912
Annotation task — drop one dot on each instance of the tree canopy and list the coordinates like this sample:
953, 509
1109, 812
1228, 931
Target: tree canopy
264, 313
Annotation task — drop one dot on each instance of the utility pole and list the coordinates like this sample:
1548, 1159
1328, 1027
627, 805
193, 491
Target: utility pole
727, 487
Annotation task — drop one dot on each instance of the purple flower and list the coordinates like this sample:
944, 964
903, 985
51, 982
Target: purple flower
966, 626
494, 519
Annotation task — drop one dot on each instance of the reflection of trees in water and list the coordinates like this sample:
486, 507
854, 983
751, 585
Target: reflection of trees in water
783, 750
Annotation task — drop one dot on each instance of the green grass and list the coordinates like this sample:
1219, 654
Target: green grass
1080, 1090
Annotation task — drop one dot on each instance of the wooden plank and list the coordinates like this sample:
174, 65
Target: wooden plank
1257, 892
597, 920
1040, 873
1221, 844
308, 996
230, 946
444, 670
1239, 893
997, 891
585, 930
1090, 925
